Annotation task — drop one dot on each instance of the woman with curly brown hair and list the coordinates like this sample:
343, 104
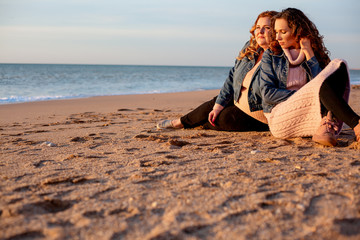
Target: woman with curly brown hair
299, 98
237, 107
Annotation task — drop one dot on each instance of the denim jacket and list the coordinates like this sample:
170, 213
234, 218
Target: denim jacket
273, 75
232, 87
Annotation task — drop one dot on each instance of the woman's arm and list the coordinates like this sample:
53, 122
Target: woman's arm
214, 113
227, 91
311, 60
305, 45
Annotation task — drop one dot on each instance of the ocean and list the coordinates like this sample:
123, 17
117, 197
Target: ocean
38, 82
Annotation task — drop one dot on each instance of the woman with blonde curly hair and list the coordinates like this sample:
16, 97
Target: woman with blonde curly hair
304, 94
236, 108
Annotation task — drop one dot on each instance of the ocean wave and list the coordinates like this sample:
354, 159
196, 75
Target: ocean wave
21, 99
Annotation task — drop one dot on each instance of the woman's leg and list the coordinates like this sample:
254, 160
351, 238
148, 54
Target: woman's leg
231, 118
331, 96
199, 115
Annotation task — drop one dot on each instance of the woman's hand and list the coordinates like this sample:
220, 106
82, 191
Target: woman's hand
214, 113
305, 45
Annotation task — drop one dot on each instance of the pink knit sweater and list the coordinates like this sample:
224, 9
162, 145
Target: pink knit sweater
300, 114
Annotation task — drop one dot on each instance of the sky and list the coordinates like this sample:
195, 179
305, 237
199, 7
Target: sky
158, 32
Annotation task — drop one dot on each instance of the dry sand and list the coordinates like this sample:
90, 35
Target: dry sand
98, 168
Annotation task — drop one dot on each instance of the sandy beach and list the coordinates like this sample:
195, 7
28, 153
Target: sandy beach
97, 168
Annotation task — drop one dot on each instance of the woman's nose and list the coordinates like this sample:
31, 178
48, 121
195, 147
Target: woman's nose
262, 30
278, 37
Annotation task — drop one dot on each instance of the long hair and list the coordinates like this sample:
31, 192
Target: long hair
253, 47
301, 27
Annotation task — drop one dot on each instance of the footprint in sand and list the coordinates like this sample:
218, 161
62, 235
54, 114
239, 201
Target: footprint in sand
24, 188
94, 214
196, 230
280, 195
46, 206
232, 199
42, 163
348, 226
68, 180
178, 143
355, 163
124, 110
173, 157
237, 216
98, 194
15, 200
150, 163
130, 150
28, 235
326, 205
78, 139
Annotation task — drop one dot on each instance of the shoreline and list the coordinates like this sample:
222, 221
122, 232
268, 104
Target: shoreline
353, 86
18, 111
99, 96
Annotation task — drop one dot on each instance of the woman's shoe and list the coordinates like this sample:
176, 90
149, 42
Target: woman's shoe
357, 132
164, 124
325, 134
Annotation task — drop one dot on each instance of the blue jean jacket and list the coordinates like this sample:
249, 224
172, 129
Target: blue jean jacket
273, 75
231, 89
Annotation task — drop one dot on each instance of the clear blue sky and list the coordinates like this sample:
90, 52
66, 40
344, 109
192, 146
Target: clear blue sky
157, 32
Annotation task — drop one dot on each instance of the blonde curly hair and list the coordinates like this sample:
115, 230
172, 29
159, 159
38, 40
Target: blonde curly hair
253, 47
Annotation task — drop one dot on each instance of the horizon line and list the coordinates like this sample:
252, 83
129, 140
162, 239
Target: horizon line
110, 64
114, 64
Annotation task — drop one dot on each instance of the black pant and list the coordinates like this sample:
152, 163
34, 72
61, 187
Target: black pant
231, 118
331, 97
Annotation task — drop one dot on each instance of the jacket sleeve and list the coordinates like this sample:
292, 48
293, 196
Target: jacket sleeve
271, 92
227, 91
314, 67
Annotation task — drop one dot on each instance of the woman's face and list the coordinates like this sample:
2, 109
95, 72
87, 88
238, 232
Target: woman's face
284, 35
262, 32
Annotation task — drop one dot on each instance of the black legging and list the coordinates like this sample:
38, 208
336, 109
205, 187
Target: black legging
231, 118
331, 97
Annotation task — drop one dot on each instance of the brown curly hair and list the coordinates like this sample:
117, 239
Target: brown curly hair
252, 49
301, 27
